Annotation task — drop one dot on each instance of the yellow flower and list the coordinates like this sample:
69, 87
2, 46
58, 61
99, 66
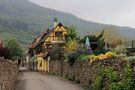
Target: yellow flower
96, 57
109, 54
102, 56
91, 60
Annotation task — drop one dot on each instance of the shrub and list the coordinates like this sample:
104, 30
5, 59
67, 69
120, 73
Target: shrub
71, 45
130, 58
84, 57
87, 85
110, 74
55, 53
71, 77
123, 80
77, 81
128, 80
120, 49
81, 49
98, 83
71, 57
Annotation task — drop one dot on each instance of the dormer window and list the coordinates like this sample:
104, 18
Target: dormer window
59, 33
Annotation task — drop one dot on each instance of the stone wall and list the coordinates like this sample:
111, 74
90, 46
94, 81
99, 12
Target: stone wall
56, 67
82, 71
8, 74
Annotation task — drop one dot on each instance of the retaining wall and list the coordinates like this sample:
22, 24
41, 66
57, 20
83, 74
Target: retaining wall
8, 74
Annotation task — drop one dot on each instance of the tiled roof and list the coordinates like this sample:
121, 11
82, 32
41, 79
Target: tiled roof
35, 41
40, 37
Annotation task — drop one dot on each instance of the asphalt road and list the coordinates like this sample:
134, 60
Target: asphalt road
37, 81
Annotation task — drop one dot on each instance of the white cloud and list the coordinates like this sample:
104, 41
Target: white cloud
118, 12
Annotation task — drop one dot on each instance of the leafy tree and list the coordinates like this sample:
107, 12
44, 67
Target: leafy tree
112, 36
16, 51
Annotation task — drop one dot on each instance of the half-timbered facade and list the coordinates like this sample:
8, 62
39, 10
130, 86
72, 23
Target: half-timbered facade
41, 44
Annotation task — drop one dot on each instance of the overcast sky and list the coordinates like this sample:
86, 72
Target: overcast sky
117, 12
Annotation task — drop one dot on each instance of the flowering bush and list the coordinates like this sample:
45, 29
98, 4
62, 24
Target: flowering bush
101, 56
109, 54
71, 45
82, 50
92, 58
106, 55
71, 57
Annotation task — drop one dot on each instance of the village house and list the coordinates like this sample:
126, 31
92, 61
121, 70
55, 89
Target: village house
39, 48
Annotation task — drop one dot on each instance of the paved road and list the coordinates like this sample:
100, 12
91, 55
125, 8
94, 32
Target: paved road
36, 81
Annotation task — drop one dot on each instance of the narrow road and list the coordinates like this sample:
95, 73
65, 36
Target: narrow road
36, 81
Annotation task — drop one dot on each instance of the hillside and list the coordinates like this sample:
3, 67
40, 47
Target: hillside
23, 20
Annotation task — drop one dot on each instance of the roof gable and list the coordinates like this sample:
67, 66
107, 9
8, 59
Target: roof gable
45, 35
53, 29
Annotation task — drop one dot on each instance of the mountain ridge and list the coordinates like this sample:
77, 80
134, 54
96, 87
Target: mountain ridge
15, 15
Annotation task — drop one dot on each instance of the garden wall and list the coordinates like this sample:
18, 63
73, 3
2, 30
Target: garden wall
8, 74
84, 72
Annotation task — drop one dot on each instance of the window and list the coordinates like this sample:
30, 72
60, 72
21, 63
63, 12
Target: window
58, 33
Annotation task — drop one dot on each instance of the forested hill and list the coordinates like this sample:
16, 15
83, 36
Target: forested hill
23, 20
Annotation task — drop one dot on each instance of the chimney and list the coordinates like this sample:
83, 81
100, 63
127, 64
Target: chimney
55, 22
48, 30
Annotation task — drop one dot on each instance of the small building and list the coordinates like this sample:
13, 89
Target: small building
41, 45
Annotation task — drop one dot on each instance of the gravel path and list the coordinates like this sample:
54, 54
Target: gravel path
36, 81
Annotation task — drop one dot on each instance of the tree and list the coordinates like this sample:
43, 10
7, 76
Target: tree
92, 40
71, 45
72, 34
112, 36
16, 51
100, 44
96, 43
